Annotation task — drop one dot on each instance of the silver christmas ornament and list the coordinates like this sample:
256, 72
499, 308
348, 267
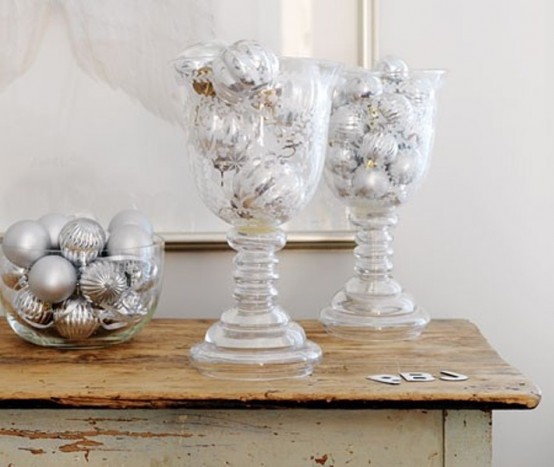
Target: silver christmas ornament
223, 133
391, 65
141, 274
54, 223
406, 167
31, 310
112, 320
52, 279
370, 183
342, 160
243, 68
132, 305
348, 124
82, 240
379, 148
397, 111
132, 217
75, 319
103, 282
129, 240
24, 242
359, 87
267, 190
194, 64
13, 276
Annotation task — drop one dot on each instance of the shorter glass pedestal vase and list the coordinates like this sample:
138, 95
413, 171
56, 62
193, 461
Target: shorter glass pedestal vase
380, 138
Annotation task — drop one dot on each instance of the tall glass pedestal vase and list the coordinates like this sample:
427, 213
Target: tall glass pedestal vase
258, 135
380, 138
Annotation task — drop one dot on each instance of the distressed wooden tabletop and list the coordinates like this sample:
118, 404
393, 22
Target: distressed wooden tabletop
152, 371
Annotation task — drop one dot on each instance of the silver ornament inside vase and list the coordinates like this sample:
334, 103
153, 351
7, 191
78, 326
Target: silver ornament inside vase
132, 217
75, 319
102, 282
82, 240
371, 183
24, 242
129, 240
54, 223
31, 310
243, 68
52, 279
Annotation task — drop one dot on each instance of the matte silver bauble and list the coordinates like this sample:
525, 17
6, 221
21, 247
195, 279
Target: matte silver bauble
132, 217
24, 242
32, 310
54, 223
103, 282
52, 279
406, 167
75, 319
82, 240
370, 183
128, 240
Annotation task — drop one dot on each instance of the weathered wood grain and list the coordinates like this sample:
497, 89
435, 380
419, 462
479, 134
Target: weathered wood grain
153, 371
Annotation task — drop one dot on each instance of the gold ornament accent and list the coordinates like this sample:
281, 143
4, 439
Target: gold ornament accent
204, 88
202, 85
370, 164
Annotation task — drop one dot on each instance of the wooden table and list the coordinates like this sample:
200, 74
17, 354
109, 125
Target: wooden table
140, 403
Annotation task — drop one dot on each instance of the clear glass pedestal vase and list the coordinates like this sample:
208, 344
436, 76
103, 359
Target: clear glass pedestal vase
255, 340
372, 305
380, 138
257, 131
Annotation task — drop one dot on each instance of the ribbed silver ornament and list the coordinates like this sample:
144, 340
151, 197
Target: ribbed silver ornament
133, 305
103, 282
142, 275
32, 310
82, 240
75, 319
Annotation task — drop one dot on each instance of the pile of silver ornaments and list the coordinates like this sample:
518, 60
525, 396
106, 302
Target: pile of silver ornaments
254, 136
380, 133
67, 277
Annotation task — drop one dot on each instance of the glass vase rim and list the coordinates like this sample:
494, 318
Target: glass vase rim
157, 242
438, 72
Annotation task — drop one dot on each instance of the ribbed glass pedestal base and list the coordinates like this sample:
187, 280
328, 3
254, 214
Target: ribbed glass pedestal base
293, 361
366, 327
372, 305
256, 339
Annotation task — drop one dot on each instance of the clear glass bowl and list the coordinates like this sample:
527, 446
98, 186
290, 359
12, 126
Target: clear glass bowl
113, 298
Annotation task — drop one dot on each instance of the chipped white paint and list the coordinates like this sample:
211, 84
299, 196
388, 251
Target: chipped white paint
295, 437
467, 438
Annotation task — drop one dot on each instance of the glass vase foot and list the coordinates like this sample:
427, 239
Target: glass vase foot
374, 327
296, 360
